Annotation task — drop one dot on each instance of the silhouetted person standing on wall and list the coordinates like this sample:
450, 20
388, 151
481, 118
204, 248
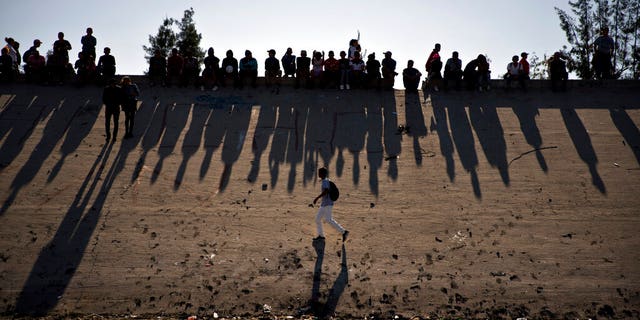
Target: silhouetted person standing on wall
558, 72
129, 105
603, 47
59, 63
112, 98
435, 54
61, 48
89, 44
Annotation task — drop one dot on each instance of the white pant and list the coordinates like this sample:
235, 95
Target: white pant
325, 213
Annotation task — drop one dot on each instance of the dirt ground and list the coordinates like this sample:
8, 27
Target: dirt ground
463, 205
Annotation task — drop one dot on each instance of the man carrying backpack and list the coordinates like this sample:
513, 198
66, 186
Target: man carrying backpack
329, 195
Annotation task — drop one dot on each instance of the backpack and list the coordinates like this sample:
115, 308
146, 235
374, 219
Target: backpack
334, 193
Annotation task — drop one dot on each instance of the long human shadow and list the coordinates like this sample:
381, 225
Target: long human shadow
341, 136
440, 124
175, 121
261, 136
349, 133
628, 129
17, 121
214, 133
527, 114
375, 149
58, 260
328, 308
415, 124
582, 142
155, 115
85, 117
462, 136
295, 151
7, 106
392, 138
192, 140
486, 123
284, 131
54, 130
320, 138
234, 140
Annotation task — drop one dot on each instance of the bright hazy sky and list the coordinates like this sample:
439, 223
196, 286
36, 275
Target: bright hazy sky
408, 28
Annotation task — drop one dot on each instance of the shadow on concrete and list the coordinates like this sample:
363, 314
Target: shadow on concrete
20, 115
527, 114
59, 259
58, 124
374, 146
582, 142
462, 137
264, 129
328, 308
83, 120
285, 140
486, 123
415, 124
440, 124
628, 129
174, 122
150, 125
321, 126
392, 138
192, 140
215, 130
350, 132
236, 133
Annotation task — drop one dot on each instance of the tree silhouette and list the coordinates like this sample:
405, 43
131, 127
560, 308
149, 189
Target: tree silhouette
164, 40
188, 37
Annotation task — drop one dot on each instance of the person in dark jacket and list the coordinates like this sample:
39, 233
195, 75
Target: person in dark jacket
130, 95
112, 98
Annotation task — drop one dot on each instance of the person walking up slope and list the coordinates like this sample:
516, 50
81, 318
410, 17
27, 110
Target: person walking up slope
326, 206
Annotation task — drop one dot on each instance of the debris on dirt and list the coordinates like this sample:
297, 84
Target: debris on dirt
530, 151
